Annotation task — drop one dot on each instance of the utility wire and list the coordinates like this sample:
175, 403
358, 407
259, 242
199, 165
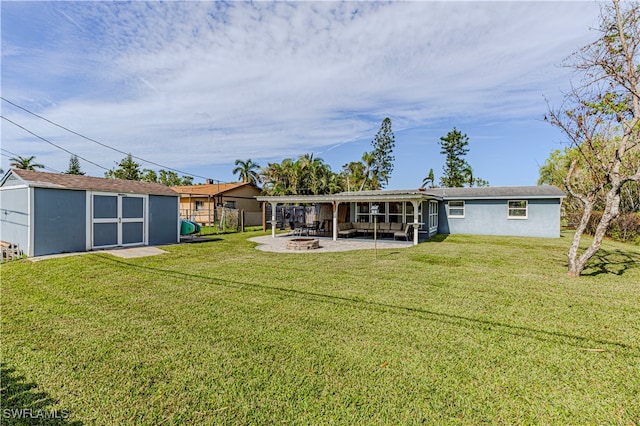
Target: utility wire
51, 143
103, 144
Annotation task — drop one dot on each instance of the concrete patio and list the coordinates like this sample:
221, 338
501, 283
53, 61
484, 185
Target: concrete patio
279, 244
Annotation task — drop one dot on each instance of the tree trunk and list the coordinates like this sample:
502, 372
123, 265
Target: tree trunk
577, 264
574, 268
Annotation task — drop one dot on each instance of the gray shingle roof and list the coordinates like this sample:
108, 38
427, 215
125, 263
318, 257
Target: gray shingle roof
540, 191
55, 180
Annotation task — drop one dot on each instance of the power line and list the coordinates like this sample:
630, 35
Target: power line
103, 144
51, 143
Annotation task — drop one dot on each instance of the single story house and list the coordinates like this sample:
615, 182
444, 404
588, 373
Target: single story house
200, 202
49, 213
527, 211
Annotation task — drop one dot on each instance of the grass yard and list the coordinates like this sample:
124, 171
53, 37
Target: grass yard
460, 330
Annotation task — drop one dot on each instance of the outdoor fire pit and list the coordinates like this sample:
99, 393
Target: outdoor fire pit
303, 244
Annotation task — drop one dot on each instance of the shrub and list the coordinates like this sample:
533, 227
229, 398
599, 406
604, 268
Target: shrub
625, 227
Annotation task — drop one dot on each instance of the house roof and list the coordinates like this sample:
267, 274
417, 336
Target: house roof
497, 192
64, 181
211, 189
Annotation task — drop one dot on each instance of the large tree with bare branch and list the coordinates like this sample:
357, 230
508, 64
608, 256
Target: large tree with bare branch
601, 119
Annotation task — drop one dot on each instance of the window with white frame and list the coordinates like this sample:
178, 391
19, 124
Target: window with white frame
518, 209
433, 214
199, 205
456, 209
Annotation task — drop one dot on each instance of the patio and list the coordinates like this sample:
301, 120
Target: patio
327, 244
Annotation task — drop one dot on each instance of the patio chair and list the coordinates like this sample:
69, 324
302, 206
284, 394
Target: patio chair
405, 233
297, 228
314, 228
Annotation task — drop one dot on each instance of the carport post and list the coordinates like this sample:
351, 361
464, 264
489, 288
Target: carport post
335, 220
416, 224
273, 219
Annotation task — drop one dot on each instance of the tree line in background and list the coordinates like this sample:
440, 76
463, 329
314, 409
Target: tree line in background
309, 175
129, 169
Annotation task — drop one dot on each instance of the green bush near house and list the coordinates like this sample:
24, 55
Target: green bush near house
625, 227
459, 330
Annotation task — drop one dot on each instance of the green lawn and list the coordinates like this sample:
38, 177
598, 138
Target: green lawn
459, 330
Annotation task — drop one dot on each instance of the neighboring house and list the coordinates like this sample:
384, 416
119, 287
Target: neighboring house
200, 203
531, 211
49, 213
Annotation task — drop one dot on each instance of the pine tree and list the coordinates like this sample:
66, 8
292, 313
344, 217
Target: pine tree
382, 153
127, 169
454, 146
74, 166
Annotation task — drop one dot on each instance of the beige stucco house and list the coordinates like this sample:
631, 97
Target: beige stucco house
200, 202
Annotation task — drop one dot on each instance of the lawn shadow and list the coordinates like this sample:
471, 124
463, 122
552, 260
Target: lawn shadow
614, 262
198, 240
358, 303
438, 238
23, 404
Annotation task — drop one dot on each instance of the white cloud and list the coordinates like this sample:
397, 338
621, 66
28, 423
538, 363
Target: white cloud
196, 83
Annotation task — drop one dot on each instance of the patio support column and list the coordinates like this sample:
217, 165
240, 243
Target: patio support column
416, 223
274, 219
335, 220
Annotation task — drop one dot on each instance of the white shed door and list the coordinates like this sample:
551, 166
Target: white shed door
118, 220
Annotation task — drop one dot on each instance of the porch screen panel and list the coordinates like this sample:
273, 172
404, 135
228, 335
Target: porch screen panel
362, 212
395, 212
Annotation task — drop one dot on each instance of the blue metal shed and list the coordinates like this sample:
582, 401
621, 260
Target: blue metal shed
49, 213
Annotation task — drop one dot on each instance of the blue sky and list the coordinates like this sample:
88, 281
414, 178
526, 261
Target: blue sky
197, 85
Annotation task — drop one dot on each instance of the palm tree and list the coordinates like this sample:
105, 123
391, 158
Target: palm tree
25, 163
312, 170
467, 175
275, 179
430, 180
368, 160
247, 171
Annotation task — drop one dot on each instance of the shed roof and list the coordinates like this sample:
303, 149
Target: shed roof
211, 189
90, 183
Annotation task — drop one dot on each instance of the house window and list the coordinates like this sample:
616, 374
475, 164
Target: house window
230, 204
199, 206
518, 209
456, 209
433, 215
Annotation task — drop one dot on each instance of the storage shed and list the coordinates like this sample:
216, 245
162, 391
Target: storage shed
49, 213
